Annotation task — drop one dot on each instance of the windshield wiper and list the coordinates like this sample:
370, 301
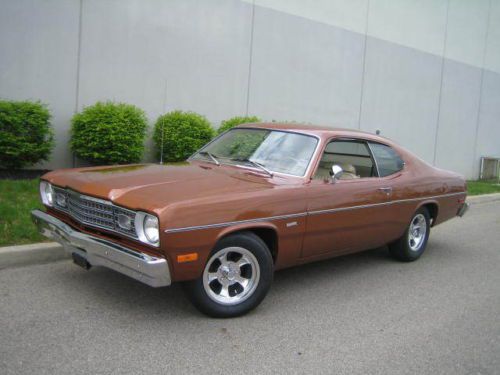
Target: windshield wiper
210, 155
255, 164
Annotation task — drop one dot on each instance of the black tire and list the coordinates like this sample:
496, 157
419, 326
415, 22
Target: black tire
402, 248
203, 299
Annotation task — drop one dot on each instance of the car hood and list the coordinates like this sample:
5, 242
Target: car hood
153, 187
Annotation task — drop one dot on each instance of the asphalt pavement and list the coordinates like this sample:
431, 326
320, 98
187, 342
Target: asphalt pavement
358, 314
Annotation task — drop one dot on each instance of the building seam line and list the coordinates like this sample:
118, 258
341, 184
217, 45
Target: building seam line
438, 117
250, 57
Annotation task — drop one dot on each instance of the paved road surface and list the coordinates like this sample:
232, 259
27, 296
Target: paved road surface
364, 314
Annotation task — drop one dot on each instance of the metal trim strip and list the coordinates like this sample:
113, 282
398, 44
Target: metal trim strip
229, 223
318, 212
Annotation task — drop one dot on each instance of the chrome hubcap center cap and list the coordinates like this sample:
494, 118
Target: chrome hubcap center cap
228, 272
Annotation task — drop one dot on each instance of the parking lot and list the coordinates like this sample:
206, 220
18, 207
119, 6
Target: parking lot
364, 314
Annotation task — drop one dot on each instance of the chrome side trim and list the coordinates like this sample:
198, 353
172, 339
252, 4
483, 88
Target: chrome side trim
318, 212
382, 204
150, 270
229, 223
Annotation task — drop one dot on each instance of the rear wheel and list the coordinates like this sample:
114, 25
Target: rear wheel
236, 278
414, 241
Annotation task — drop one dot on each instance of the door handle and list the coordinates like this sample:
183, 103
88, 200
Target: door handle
386, 190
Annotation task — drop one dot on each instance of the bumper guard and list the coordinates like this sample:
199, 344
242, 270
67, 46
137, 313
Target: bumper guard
463, 209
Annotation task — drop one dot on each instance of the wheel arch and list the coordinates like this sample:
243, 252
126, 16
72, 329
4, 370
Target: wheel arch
432, 207
267, 232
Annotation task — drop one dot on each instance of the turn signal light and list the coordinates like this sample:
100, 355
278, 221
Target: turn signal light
184, 258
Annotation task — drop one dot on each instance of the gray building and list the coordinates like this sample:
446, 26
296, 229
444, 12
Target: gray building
424, 72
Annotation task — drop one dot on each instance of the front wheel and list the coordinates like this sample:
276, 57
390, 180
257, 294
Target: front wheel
236, 278
413, 242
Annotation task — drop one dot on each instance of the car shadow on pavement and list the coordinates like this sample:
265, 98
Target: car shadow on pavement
112, 290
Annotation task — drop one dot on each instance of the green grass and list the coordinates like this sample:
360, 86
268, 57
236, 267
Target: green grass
17, 199
482, 187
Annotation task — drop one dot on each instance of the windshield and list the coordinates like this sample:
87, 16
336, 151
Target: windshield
274, 150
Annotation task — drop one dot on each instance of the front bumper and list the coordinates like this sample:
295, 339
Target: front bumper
96, 251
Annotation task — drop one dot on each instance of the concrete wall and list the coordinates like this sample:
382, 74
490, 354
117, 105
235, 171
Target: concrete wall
424, 72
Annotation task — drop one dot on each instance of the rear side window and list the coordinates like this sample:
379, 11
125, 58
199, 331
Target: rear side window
388, 161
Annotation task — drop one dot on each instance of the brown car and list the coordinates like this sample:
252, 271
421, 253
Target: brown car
258, 198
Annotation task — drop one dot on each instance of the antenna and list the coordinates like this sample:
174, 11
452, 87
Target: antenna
161, 147
162, 124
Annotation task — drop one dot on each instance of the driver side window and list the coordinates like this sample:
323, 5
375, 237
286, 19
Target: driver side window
351, 155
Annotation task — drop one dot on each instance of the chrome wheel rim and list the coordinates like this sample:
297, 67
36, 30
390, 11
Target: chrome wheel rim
231, 275
417, 232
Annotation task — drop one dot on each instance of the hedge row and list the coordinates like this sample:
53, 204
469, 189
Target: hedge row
104, 133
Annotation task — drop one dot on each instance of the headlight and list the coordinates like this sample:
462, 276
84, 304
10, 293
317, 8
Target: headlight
124, 221
151, 230
147, 228
47, 193
61, 199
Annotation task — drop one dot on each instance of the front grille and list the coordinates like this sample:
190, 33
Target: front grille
93, 212
89, 211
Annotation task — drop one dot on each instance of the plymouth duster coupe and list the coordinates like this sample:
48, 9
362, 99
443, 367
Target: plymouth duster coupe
258, 198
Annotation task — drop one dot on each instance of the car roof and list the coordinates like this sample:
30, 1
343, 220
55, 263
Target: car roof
321, 131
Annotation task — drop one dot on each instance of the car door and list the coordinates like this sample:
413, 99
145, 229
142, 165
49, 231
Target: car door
352, 213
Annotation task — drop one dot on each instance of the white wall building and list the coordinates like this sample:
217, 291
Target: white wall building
424, 72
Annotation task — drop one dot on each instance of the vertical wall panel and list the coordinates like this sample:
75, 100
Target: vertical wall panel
492, 58
418, 24
458, 117
466, 31
488, 137
461, 84
38, 61
197, 50
189, 55
346, 14
304, 70
401, 95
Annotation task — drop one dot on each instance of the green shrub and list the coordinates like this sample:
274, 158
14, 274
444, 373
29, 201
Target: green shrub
109, 133
26, 135
238, 120
183, 134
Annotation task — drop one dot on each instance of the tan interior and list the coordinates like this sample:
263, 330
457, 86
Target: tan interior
352, 165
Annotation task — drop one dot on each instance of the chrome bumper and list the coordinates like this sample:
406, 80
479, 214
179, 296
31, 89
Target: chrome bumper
463, 209
96, 251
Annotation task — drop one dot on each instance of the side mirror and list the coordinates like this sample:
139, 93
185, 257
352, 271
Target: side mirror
336, 172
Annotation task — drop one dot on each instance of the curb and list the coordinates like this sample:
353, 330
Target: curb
37, 253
